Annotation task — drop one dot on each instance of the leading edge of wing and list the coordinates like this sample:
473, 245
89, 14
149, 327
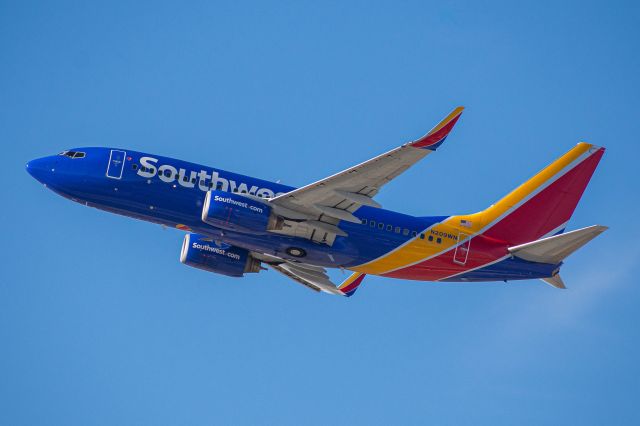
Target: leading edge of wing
313, 277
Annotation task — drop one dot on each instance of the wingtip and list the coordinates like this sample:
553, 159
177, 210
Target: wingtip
458, 110
351, 284
439, 133
601, 228
449, 120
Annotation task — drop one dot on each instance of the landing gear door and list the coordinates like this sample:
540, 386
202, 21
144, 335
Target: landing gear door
116, 164
462, 251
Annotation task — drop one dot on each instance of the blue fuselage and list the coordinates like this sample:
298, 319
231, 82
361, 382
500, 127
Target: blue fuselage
171, 192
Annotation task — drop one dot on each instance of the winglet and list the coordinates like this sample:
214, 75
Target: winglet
351, 284
438, 134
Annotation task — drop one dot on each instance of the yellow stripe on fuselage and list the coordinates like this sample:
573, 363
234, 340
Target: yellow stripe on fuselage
417, 249
413, 251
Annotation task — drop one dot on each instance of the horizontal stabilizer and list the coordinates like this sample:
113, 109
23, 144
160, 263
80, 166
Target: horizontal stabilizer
555, 281
555, 249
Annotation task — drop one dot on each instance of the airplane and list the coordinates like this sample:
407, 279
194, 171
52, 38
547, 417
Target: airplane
237, 224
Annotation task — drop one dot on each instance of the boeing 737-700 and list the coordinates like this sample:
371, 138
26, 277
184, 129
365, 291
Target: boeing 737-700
238, 224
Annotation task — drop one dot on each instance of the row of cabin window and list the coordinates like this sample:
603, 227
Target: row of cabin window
398, 230
167, 173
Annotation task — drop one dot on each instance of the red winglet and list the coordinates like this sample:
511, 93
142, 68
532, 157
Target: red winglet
438, 134
351, 284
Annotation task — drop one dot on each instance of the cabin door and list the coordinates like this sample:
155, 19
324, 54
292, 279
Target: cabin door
116, 164
462, 251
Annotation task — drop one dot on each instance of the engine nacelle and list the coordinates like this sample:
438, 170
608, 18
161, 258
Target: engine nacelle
227, 260
238, 213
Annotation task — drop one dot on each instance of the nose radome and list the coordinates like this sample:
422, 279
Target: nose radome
40, 168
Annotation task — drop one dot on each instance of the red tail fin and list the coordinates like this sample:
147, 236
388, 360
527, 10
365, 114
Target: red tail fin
544, 203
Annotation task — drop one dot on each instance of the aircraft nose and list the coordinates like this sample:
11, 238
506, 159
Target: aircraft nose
41, 168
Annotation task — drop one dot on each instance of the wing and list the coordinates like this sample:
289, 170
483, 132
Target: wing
313, 277
323, 204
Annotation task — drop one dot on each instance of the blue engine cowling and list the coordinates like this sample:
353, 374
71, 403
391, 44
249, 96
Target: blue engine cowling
238, 213
226, 260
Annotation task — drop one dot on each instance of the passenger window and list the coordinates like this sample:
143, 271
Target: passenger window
414, 233
185, 178
134, 166
389, 228
405, 232
167, 173
364, 221
372, 223
422, 236
193, 180
439, 240
398, 229
380, 225
219, 187
430, 238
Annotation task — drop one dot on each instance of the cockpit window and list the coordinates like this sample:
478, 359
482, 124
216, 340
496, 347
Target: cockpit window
73, 154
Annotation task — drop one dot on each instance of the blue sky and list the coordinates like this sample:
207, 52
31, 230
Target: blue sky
99, 322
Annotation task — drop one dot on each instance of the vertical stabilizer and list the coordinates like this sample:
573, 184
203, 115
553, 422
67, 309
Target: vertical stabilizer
545, 203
